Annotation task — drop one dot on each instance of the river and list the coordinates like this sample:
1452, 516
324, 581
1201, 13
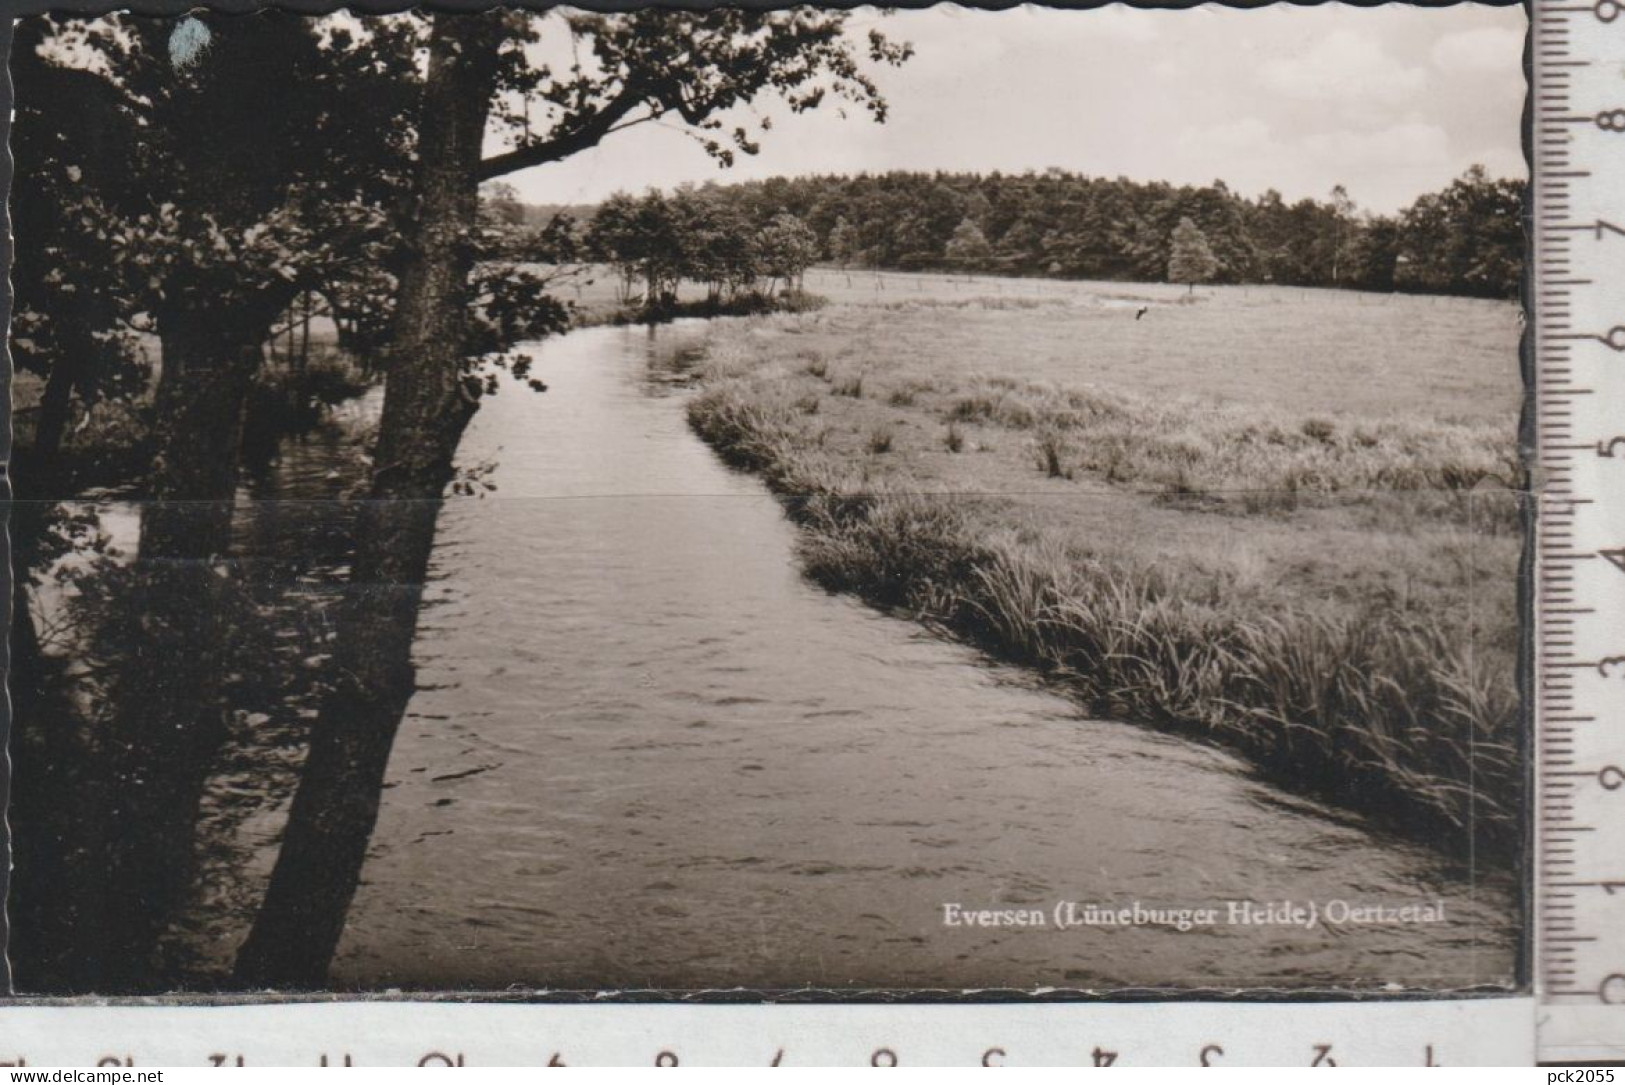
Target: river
646, 753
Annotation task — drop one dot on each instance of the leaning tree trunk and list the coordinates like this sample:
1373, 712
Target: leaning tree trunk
426, 409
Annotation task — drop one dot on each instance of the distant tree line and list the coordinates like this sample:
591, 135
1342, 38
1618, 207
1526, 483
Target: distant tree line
1466, 239
655, 242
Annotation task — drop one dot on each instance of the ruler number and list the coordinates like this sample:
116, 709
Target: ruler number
1601, 768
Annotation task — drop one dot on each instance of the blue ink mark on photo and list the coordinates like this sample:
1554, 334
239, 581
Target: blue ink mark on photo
187, 42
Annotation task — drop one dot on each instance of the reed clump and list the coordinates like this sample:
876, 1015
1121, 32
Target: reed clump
1386, 711
1193, 448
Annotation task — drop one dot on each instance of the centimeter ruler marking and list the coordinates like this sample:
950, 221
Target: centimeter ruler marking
1578, 146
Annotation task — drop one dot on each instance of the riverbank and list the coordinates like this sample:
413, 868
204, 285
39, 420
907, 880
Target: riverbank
1330, 595
783, 786
612, 312
110, 445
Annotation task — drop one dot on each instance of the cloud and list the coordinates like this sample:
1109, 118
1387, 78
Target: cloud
1346, 69
1483, 50
958, 42
1502, 161
1245, 137
1411, 141
1384, 168
1119, 23
1388, 166
1391, 100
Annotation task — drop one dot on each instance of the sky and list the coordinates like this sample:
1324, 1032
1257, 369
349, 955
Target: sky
1391, 102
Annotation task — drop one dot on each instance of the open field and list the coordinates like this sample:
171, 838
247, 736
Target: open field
1305, 350
1308, 350
1280, 520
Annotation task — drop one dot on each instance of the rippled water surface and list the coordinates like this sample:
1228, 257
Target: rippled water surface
647, 753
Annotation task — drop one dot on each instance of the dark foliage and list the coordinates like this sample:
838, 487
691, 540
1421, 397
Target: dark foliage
1464, 240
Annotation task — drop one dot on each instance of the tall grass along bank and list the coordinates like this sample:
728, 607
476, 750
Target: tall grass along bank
1033, 520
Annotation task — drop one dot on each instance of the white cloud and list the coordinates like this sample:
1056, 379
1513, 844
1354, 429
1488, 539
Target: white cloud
1482, 50
1412, 156
1502, 161
1119, 23
1345, 68
1405, 144
1230, 140
1391, 100
959, 41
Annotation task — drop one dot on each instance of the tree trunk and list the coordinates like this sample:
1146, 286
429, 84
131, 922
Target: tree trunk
209, 357
53, 415
304, 334
35, 484
47, 767
56, 871
35, 793
427, 406
40, 929
97, 886
175, 615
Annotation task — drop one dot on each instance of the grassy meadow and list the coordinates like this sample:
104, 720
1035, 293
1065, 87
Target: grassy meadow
1279, 520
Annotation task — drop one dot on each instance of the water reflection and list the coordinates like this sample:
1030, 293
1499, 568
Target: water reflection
617, 741
163, 671
115, 747
645, 752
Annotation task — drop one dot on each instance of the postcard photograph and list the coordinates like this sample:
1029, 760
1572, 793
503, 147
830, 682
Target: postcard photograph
801, 503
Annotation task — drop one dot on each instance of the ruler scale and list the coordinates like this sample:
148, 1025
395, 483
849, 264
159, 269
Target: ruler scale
1578, 148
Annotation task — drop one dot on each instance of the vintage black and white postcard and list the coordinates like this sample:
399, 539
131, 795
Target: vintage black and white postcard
809, 503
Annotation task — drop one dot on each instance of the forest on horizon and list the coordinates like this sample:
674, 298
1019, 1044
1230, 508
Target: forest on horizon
1466, 239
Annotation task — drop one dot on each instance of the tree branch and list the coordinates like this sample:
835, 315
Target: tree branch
583, 135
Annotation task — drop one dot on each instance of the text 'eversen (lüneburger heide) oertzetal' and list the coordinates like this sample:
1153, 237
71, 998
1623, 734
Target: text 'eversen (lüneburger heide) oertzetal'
1308, 914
